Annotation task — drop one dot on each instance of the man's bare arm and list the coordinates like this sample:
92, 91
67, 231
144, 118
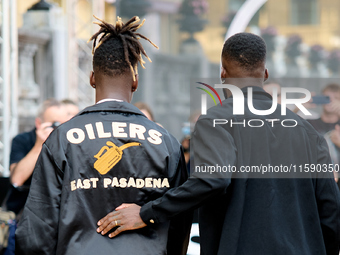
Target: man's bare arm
22, 170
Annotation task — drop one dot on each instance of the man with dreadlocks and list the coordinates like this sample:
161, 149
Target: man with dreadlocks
108, 154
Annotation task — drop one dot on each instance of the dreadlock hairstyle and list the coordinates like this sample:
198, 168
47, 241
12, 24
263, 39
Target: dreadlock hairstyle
117, 48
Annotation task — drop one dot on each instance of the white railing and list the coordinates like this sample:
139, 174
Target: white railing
8, 81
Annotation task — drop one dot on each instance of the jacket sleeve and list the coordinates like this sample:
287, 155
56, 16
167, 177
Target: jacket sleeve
37, 232
180, 225
212, 146
328, 201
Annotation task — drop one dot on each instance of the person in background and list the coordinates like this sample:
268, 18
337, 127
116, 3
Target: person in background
330, 113
333, 140
26, 148
187, 131
329, 123
144, 108
185, 142
71, 107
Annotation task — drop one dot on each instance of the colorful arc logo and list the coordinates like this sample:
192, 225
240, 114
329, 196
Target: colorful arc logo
209, 93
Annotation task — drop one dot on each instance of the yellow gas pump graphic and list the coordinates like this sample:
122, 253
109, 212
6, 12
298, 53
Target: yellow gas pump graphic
108, 156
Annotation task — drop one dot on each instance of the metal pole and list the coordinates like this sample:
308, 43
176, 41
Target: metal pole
71, 10
5, 52
14, 69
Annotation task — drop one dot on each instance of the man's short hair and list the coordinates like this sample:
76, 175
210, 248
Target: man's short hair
247, 49
47, 104
333, 87
68, 101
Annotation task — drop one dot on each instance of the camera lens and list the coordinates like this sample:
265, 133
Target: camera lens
55, 124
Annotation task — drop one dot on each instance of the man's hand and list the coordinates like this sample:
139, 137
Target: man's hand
42, 132
335, 136
126, 217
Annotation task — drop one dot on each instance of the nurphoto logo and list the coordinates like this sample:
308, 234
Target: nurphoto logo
239, 103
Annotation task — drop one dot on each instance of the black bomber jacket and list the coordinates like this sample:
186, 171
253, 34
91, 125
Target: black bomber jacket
108, 154
291, 206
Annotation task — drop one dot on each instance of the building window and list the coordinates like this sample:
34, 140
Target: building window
304, 12
235, 5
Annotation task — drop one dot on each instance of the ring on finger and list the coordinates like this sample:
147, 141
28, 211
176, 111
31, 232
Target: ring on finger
116, 222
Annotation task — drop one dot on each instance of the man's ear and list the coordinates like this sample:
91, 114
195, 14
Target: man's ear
223, 73
92, 80
135, 84
266, 74
37, 122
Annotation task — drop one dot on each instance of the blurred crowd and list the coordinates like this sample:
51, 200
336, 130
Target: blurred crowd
327, 122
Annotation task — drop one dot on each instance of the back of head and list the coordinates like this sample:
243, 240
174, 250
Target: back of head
247, 49
332, 90
116, 48
68, 101
71, 107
